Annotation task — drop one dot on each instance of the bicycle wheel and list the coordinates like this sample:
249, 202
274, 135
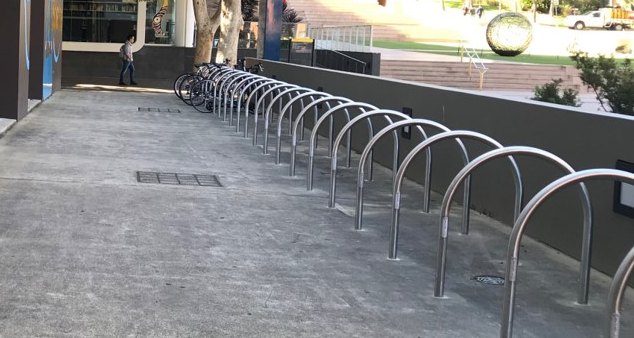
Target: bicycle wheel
178, 82
185, 87
200, 94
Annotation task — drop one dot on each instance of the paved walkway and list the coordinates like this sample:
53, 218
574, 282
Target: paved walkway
87, 251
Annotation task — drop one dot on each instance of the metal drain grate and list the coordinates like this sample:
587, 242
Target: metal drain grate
160, 110
178, 179
489, 280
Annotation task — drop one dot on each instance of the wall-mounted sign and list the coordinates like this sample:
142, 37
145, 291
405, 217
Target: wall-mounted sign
624, 192
301, 51
406, 132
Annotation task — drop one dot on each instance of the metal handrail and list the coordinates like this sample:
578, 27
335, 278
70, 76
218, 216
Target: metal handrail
474, 60
346, 38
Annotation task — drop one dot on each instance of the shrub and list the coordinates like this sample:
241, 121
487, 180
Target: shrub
612, 82
552, 93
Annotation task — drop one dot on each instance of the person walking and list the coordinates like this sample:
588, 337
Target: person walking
125, 53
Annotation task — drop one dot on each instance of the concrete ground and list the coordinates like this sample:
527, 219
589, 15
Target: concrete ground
87, 251
588, 101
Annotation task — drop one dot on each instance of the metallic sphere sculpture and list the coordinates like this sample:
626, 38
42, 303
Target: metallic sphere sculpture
509, 34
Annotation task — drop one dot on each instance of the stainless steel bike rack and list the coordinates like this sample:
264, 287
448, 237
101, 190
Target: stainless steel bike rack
267, 115
419, 123
512, 257
314, 134
235, 92
288, 105
443, 234
225, 92
260, 102
396, 201
386, 113
217, 80
617, 293
269, 83
222, 88
327, 100
245, 87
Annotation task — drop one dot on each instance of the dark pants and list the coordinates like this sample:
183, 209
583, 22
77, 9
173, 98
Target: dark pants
127, 65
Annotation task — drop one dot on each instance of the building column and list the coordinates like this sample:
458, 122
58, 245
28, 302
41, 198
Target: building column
270, 29
185, 23
45, 48
14, 68
36, 50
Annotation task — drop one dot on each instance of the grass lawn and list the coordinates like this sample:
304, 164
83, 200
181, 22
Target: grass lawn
412, 46
484, 54
459, 4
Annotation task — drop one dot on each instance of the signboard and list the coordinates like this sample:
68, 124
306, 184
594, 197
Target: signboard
301, 51
624, 192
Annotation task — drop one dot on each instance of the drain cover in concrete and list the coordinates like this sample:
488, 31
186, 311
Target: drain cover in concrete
489, 280
177, 179
160, 110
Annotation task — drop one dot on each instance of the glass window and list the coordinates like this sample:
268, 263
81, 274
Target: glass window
159, 22
99, 21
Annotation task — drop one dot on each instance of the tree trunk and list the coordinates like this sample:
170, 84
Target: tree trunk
261, 30
230, 24
443, 5
551, 11
206, 27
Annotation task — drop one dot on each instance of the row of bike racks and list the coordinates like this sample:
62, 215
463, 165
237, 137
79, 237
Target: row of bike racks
228, 88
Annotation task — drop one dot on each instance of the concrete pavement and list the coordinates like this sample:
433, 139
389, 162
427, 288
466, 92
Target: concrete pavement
87, 251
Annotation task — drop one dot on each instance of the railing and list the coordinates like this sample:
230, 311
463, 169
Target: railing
343, 38
332, 59
474, 60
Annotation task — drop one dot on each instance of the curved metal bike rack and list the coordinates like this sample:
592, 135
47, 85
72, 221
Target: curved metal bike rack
327, 100
226, 87
512, 258
244, 87
260, 102
419, 123
314, 134
289, 104
236, 89
269, 83
584, 273
267, 114
217, 81
223, 85
457, 134
617, 293
386, 113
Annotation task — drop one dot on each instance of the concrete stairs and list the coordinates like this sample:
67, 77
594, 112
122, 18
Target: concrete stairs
347, 13
403, 21
499, 77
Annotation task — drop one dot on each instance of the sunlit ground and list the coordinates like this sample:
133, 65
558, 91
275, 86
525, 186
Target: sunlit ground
103, 88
